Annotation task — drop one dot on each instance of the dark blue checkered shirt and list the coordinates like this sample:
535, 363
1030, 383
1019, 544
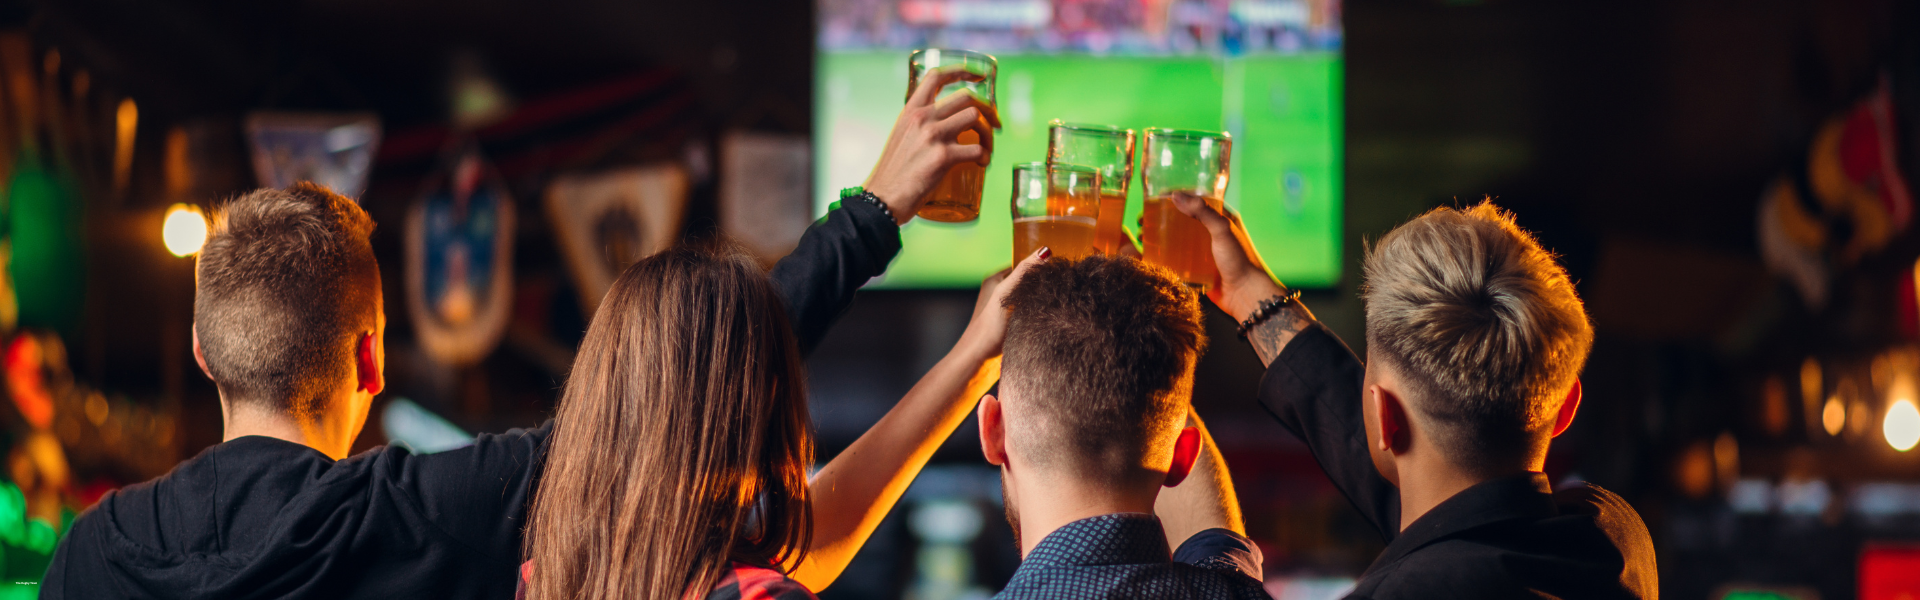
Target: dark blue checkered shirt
1125, 556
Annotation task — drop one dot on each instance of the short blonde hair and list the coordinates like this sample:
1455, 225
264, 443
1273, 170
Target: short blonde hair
1482, 323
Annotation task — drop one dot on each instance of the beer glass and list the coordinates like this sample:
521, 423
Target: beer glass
1181, 162
1109, 150
1055, 205
957, 197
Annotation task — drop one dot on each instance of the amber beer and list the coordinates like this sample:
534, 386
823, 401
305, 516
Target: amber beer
1109, 235
1179, 162
1069, 237
1178, 242
1056, 206
957, 197
1109, 150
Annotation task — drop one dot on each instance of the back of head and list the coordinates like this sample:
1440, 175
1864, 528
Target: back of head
286, 285
1098, 365
686, 408
1484, 327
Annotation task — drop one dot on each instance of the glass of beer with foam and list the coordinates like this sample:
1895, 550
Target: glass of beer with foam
1109, 150
1175, 161
957, 197
1056, 205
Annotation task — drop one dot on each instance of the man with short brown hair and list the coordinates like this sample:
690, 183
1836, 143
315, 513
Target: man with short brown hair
1477, 339
1091, 422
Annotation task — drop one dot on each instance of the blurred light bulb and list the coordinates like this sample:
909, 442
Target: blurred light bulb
185, 230
1834, 416
1902, 426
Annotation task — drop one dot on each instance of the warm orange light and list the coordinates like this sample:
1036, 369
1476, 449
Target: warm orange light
1834, 416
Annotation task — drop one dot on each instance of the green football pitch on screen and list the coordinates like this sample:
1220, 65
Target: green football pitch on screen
1284, 112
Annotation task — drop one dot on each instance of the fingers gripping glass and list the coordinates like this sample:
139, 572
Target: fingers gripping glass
1055, 205
957, 197
1182, 162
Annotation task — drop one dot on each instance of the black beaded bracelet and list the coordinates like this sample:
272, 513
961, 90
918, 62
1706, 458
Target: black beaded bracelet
1266, 309
862, 194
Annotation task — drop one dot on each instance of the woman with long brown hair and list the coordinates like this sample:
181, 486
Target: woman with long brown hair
678, 466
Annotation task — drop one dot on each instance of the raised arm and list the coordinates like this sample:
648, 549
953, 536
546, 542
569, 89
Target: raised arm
1205, 499
1313, 381
854, 491
854, 242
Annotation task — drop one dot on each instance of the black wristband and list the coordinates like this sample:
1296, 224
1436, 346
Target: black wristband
1266, 309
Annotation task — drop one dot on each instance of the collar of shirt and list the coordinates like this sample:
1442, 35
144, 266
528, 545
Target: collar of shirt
1521, 497
1113, 539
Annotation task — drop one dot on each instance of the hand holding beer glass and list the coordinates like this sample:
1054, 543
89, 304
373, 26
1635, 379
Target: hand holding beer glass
957, 197
923, 145
1109, 150
1055, 205
1188, 163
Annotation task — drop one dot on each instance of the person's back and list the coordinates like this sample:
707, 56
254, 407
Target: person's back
1476, 339
287, 323
1092, 422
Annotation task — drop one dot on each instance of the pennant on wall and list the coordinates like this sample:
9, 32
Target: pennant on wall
459, 274
606, 221
332, 149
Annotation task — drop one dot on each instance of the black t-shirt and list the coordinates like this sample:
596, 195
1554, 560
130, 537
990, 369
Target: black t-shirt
259, 517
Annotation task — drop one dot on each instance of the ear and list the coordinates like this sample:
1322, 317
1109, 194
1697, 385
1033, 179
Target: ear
993, 431
198, 356
1395, 430
366, 361
1567, 408
1186, 450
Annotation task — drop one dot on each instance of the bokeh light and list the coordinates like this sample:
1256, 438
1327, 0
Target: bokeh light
1834, 416
1902, 426
185, 229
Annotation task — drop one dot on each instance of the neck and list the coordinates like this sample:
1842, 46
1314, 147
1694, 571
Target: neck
241, 421
1424, 486
1053, 502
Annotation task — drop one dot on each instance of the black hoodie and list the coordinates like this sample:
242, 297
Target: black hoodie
1506, 538
259, 517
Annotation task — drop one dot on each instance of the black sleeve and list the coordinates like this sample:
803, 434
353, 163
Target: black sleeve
477, 494
1313, 388
1221, 550
836, 256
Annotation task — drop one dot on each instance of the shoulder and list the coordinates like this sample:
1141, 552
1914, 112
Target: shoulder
1610, 513
1452, 568
1221, 550
748, 582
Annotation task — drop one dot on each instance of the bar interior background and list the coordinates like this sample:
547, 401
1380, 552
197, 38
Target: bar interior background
1747, 361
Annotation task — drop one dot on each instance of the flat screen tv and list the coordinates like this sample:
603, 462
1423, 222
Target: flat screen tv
1269, 72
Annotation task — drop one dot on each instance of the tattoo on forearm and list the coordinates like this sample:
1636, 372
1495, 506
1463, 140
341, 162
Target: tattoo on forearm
1271, 336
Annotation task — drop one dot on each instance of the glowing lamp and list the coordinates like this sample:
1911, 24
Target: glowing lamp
1902, 425
185, 229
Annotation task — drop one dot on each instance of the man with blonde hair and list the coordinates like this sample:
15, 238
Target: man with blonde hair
1477, 339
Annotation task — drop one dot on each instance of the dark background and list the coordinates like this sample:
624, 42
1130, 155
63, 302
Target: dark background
1634, 137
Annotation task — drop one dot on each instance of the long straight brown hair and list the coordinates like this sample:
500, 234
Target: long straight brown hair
682, 440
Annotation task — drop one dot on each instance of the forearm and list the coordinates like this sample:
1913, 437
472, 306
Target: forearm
1272, 335
835, 257
1205, 500
856, 490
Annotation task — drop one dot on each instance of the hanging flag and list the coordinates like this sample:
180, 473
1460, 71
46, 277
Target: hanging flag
332, 149
459, 264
